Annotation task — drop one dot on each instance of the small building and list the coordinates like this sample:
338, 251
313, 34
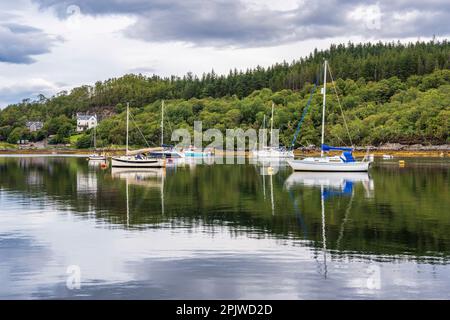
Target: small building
86, 121
34, 126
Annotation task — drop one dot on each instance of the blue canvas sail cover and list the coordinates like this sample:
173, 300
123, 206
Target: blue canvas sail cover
347, 156
326, 147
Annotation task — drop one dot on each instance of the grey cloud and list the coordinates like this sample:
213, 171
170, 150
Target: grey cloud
231, 23
143, 70
21, 42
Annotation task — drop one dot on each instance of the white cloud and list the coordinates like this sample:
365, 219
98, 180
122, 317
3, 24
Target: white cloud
97, 43
15, 91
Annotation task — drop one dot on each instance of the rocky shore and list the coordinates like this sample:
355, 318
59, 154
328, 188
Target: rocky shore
393, 147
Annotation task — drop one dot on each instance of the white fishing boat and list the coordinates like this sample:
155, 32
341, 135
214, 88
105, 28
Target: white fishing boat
343, 163
135, 159
272, 151
95, 156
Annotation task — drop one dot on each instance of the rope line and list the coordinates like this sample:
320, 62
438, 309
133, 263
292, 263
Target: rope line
340, 107
305, 110
132, 119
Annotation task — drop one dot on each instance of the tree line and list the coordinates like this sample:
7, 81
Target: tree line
391, 92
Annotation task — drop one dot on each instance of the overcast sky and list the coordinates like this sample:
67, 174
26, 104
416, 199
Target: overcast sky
50, 45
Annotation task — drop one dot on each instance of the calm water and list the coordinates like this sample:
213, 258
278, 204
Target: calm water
223, 231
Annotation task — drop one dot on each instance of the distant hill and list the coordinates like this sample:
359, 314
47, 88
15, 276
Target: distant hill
375, 80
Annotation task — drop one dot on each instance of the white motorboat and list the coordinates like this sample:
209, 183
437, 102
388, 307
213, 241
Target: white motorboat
343, 163
138, 160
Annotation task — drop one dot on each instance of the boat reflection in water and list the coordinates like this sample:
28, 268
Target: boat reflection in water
339, 183
144, 177
331, 184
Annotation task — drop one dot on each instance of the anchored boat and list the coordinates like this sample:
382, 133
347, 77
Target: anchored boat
167, 151
197, 152
136, 159
95, 156
344, 163
272, 151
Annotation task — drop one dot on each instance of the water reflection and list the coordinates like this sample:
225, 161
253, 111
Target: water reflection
144, 177
222, 231
331, 184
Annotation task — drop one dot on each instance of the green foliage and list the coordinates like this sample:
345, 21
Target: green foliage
59, 125
18, 133
83, 142
390, 93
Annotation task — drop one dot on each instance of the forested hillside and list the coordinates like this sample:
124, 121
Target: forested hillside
389, 92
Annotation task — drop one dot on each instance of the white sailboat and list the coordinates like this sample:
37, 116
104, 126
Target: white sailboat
95, 156
272, 151
135, 160
343, 163
167, 151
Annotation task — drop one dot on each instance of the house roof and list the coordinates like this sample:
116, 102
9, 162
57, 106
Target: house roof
37, 123
86, 116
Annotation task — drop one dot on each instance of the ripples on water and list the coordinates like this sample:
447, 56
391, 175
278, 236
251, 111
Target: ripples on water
223, 231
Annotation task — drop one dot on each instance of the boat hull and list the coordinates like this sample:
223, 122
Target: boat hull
301, 165
130, 162
272, 154
166, 154
197, 154
96, 158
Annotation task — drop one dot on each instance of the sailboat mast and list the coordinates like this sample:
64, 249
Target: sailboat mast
128, 112
264, 142
271, 128
162, 123
95, 138
323, 106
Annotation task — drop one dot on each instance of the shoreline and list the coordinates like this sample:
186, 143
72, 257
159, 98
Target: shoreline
359, 152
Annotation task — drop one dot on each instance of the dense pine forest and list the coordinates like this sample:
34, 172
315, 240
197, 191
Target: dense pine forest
390, 92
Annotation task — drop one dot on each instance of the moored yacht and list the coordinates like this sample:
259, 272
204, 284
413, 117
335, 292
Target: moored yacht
344, 163
272, 151
136, 159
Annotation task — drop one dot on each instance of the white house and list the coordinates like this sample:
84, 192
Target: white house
34, 125
86, 121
